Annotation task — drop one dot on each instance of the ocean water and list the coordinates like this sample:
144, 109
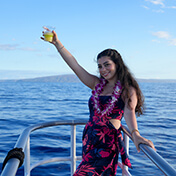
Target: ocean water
23, 104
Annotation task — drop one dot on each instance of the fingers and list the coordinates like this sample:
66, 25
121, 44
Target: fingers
54, 34
46, 28
149, 143
43, 35
138, 149
141, 140
43, 38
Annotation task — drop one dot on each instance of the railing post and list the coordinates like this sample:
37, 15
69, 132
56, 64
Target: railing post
27, 158
126, 142
73, 149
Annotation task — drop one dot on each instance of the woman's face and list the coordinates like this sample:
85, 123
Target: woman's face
107, 68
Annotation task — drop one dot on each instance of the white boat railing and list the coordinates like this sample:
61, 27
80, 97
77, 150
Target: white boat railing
158, 160
23, 142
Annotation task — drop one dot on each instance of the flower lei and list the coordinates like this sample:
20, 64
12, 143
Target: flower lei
111, 103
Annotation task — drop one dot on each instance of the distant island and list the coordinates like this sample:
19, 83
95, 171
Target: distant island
56, 78
73, 79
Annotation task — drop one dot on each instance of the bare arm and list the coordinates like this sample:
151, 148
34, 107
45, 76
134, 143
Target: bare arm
130, 118
87, 78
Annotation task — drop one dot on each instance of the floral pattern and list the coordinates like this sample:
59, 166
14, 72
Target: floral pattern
109, 105
102, 143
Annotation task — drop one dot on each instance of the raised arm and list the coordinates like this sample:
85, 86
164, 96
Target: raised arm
130, 118
87, 78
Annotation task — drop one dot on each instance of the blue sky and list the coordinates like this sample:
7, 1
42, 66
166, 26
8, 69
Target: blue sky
143, 31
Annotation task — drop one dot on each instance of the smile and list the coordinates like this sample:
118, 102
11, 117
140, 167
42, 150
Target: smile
105, 74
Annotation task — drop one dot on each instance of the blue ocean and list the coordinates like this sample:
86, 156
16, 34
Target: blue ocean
26, 103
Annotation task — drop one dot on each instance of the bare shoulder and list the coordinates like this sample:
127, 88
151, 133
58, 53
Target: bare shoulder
130, 101
131, 91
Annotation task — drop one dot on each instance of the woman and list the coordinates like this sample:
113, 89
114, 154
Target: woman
114, 94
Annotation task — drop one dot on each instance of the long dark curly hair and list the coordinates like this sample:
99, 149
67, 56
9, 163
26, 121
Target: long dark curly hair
126, 78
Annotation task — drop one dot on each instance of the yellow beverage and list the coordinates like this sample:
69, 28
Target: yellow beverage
48, 36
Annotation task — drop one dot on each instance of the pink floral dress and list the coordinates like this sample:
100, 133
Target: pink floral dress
102, 143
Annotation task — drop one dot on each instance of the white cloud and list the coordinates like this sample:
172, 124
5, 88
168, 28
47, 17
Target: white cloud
156, 41
53, 55
172, 7
10, 47
173, 42
157, 2
145, 7
161, 3
159, 6
159, 11
27, 49
164, 35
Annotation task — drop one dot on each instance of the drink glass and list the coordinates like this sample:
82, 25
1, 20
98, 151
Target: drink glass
48, 35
